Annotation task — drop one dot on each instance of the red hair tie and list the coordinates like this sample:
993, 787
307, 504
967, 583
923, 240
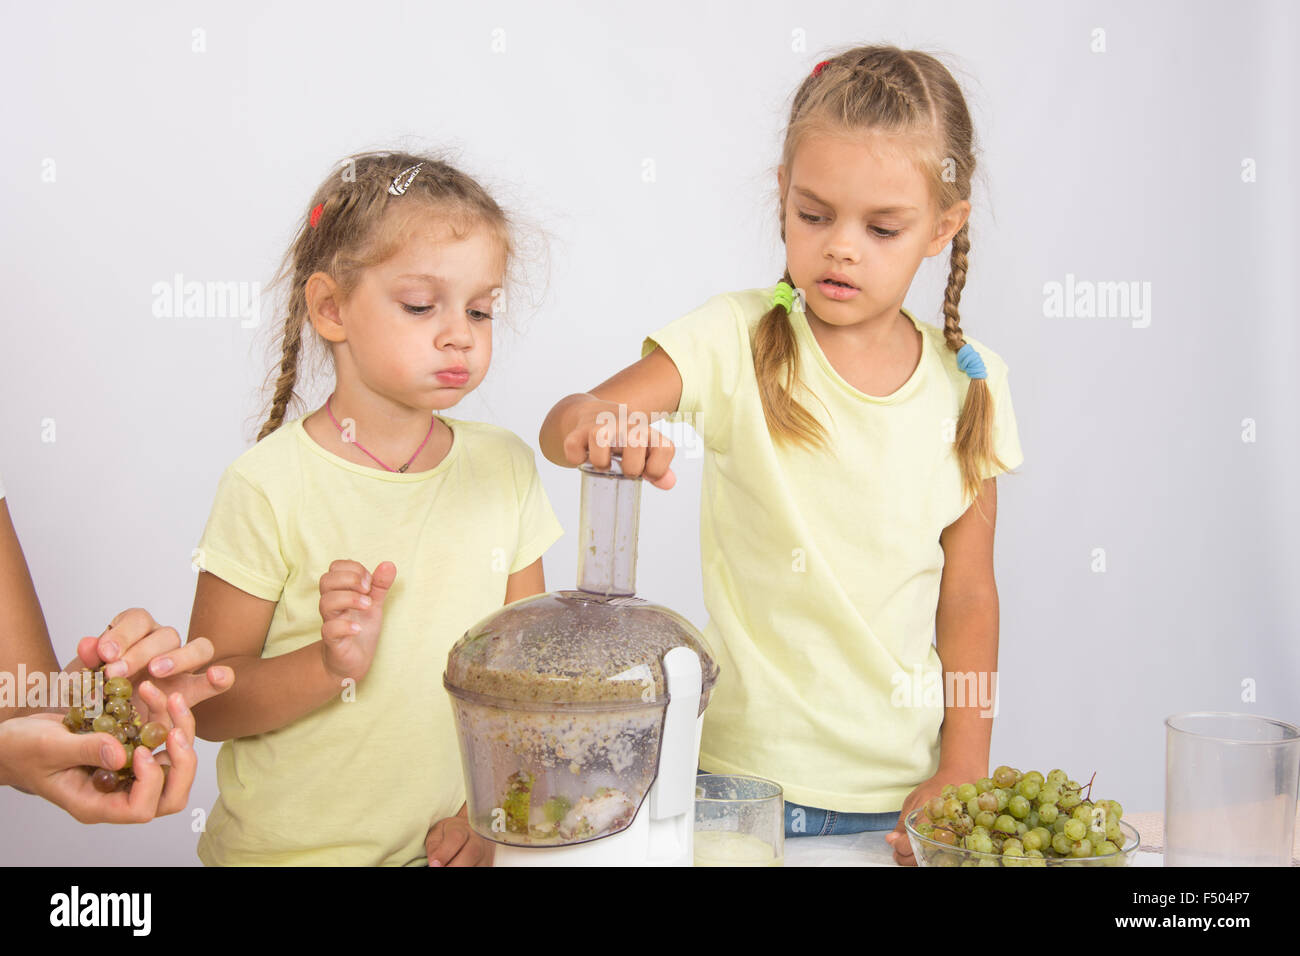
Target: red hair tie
818, 68
314, 218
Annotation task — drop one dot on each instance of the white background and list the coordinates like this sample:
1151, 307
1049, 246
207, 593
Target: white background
1123, 165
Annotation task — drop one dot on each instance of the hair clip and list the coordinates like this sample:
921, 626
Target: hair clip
819, 67
402, 181
314, 219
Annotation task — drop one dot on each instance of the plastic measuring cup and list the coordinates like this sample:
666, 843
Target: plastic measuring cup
1230, 790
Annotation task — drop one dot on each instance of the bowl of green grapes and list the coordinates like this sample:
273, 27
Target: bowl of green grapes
1021, 819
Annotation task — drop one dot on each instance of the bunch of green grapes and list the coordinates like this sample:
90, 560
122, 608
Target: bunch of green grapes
1024, 817
117, 717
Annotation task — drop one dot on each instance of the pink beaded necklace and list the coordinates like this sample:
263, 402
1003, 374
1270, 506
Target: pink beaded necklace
372, 457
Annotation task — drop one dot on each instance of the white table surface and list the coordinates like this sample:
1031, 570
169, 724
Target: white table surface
870, 849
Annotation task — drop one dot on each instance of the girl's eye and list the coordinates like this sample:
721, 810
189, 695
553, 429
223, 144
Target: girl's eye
478, 316
881, 233
416, 309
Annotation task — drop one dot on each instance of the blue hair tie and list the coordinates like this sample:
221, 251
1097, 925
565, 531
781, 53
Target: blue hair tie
969, 361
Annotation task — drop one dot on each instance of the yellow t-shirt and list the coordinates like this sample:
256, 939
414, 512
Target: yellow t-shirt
358, 782
821, 569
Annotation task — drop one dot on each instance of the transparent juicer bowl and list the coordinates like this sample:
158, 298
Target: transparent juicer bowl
560, 698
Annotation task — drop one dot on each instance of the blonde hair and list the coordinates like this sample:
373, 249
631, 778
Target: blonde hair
912, 95
359, 225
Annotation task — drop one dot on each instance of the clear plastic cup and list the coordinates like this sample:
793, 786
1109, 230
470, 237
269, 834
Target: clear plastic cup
739, 821
1230, 790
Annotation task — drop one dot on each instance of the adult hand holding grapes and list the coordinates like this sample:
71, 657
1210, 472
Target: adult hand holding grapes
133, 641
352, 612
39, 756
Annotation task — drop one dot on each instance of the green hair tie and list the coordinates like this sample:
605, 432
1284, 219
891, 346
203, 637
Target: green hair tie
784, 295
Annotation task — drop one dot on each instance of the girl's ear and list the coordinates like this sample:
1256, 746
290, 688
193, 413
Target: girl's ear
948, 224
322, 295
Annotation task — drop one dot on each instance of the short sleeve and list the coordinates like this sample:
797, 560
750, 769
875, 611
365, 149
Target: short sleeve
1006, 436
538, 526
710, 347
241, 542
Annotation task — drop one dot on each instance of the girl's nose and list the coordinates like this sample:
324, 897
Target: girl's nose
842, 245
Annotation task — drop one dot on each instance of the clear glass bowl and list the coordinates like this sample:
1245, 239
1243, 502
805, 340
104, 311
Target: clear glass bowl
933, 853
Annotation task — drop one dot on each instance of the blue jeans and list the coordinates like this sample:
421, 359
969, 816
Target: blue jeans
801, 821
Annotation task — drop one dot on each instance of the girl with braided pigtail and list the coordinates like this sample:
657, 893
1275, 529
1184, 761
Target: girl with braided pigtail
352, 545
849, 484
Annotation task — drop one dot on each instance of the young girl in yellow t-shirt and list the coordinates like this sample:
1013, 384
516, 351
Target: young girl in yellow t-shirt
849, 485
351, 546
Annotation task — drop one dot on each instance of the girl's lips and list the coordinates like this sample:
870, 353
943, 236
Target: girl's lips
837, 292
453, 378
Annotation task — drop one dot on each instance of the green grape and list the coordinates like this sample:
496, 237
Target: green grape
105, 781
951, 807
934, 809
1004, 797
1096, 837
1062, 844
1005, 824
1069, 799
979, 843
118, 707
1005, 777
1058, 825
105, 724
1029, 789
1021, 828
118, 687
977, 830
983, 785
1047, 812
924, 829
987, 801
1081, 849
967, 792
1032, 840
1106, 848
153, 734
1018, 807
1012, 848
1033, 819
1083, 812
1048, 794
949, 790
986, 819
1056, 777
1045, 836
1076, 830
1114, 834
1035, 776
973, 807
556, 808
1073, 785
1114, 805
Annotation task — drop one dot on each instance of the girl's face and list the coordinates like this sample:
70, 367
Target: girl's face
857, 210
418, 327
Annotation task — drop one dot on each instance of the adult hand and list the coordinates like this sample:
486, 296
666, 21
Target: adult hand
40, 756
134, 642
